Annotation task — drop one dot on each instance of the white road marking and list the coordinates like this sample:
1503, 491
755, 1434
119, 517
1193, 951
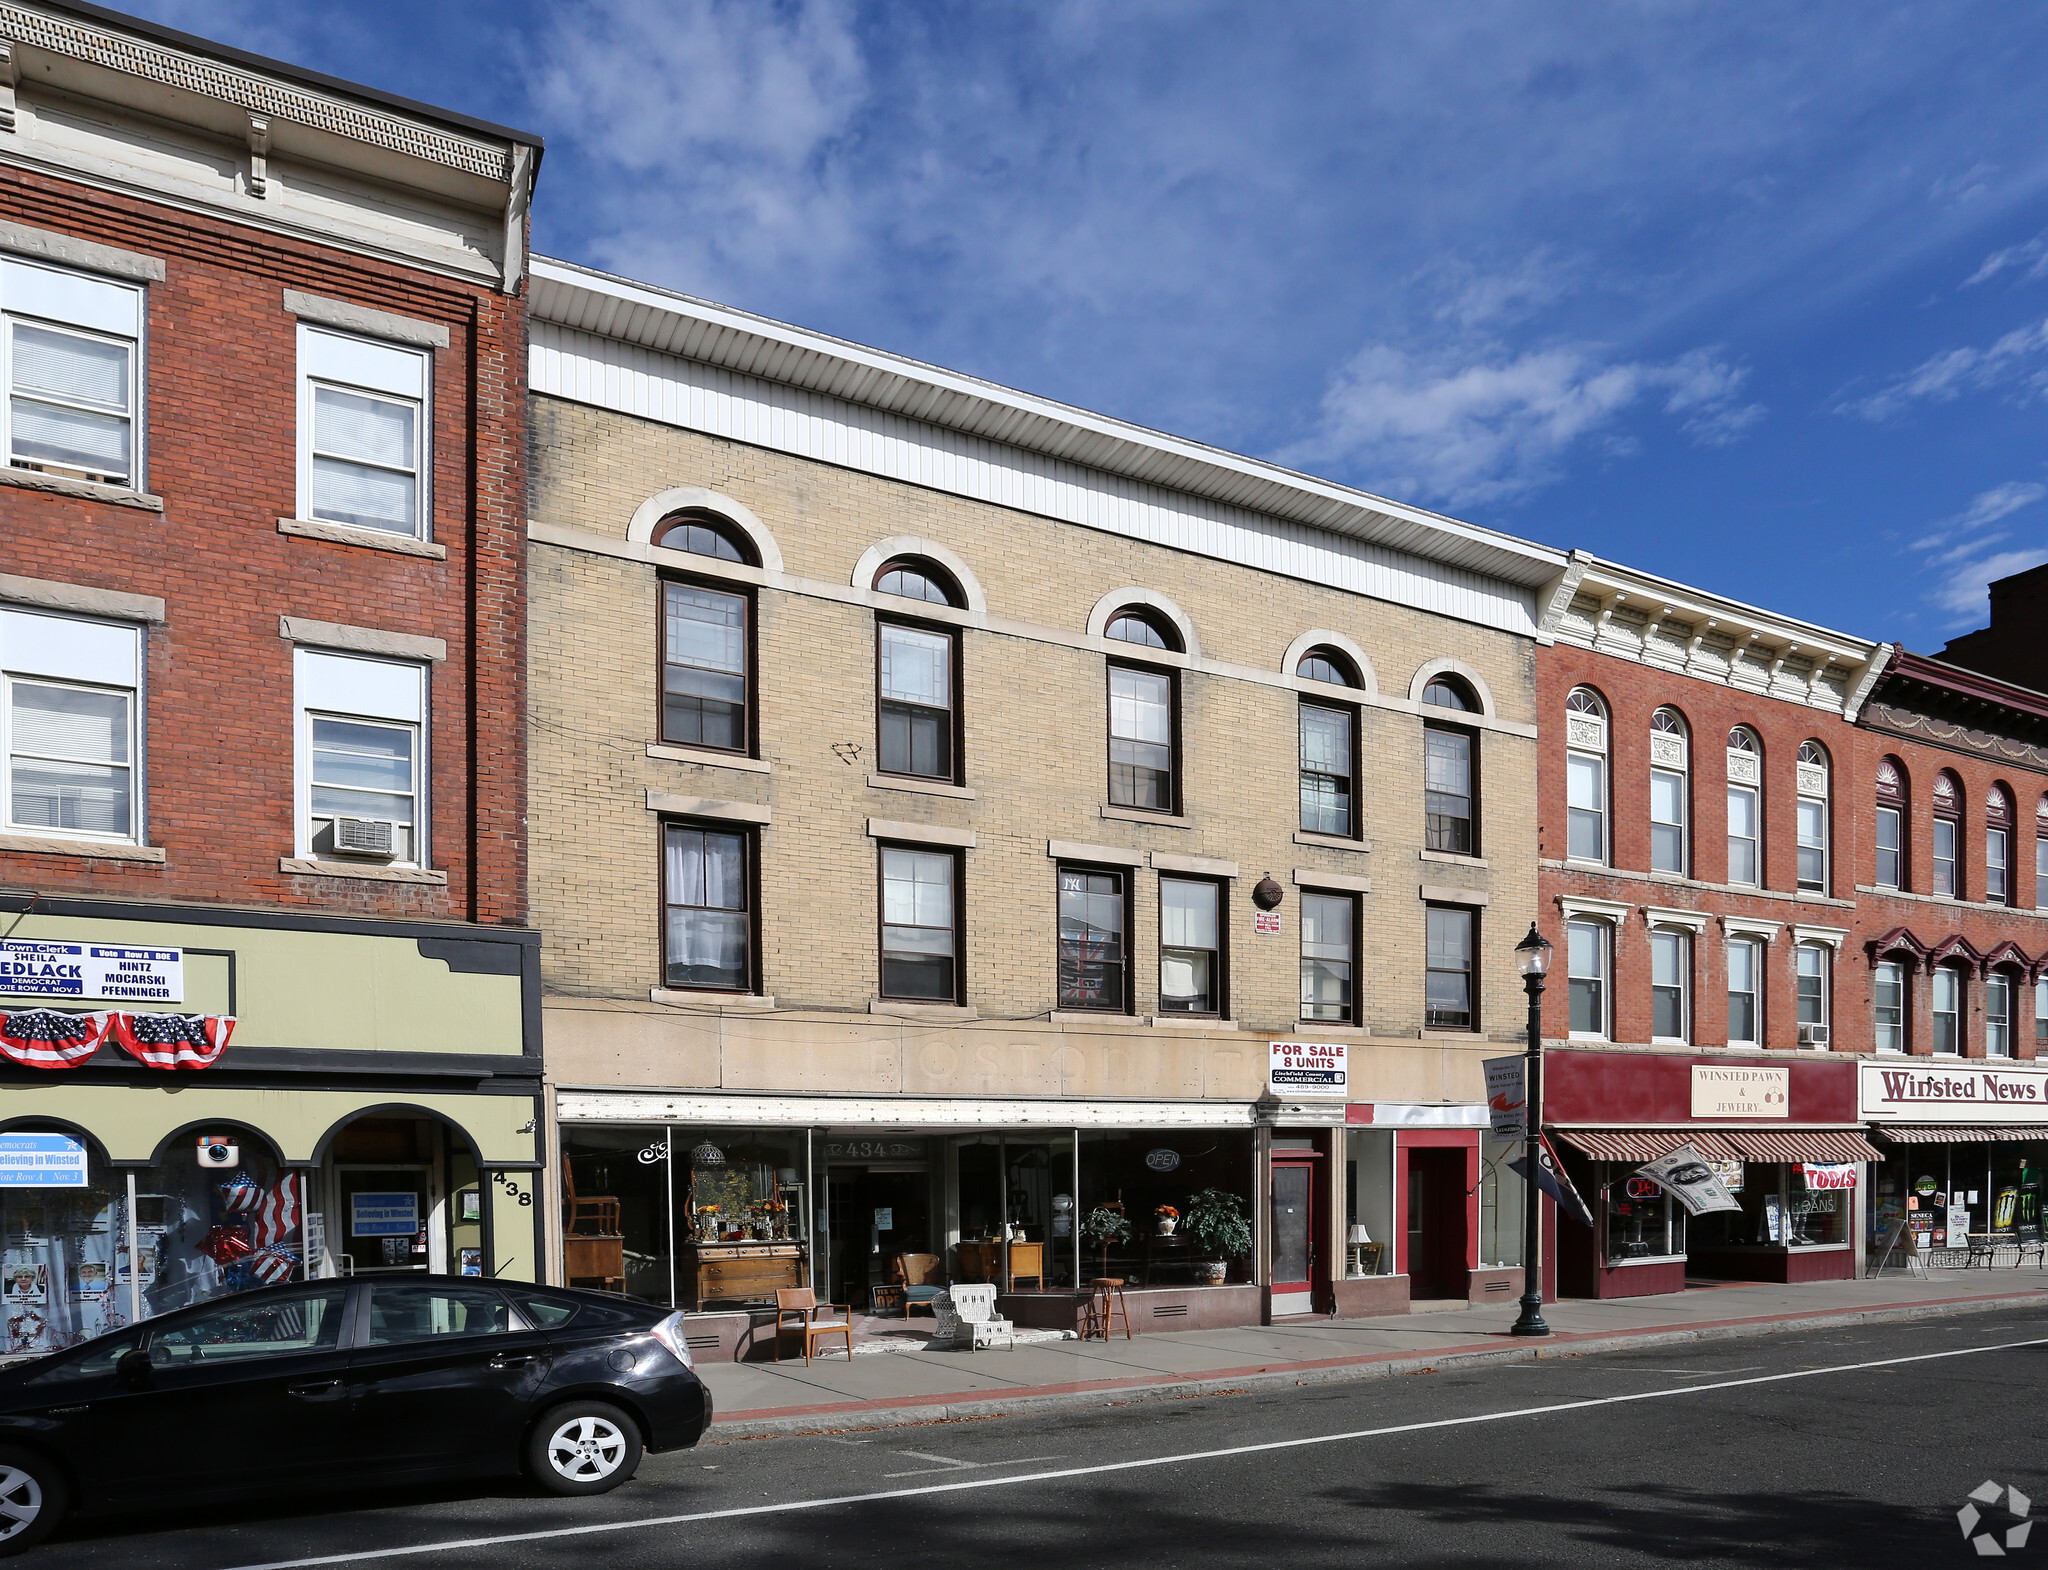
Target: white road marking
737, 1512
1699, 1373
959, 1466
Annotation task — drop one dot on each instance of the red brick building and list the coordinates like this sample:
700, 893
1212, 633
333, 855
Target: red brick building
261, 638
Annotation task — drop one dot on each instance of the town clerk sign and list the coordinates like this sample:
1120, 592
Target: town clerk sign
95, 972
1973, 1094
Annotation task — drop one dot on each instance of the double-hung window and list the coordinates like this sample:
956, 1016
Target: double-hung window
1190, 946
1587, 950
1811, 981
1889, 868
1745, 807
1094, 947
1329, 935
1888, 1001
1813, 817
1668, 762
1670, 985
1947, 1009
1997, 847
70, 727
2041, 855
1449, 1002
1585, 776
72, 368
1948, 826
920, 925
707, 936
363, 424
1141, 738
1447, 790
704, 667
1745, 992
362, 744
915, 670
1327, 769
2040, 1014
1998, 1016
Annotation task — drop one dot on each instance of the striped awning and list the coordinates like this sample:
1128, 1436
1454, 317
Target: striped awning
1802, 1144
1645, 1144
1931, 1134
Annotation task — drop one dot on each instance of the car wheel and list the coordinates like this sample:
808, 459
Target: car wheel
33, 1499
585, 1447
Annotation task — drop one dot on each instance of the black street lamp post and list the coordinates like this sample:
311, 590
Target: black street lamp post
1532, 958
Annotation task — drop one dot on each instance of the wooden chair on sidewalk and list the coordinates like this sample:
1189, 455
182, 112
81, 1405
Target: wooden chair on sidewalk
1105, 1307
803, 1302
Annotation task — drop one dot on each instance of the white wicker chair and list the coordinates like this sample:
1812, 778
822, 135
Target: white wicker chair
968, 1314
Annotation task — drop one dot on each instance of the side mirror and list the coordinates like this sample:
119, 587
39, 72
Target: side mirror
132, 1372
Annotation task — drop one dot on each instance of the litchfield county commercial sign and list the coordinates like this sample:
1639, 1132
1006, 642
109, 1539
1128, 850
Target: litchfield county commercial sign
91, 971
1308, 1068
1736, 1092
1976, 1093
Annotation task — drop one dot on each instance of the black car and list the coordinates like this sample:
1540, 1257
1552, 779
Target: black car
408, 1377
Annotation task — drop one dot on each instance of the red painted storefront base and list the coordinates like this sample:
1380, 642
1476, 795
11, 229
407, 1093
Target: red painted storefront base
1638, 1280
1789, 1266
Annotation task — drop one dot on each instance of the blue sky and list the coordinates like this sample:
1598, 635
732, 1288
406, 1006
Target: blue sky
1753, 296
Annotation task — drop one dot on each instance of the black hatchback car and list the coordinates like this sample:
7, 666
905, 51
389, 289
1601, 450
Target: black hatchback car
345, 1381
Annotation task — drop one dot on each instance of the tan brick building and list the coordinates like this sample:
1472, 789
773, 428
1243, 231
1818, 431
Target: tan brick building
978, 737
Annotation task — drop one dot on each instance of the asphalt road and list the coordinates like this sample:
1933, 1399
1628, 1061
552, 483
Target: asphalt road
1699, 1456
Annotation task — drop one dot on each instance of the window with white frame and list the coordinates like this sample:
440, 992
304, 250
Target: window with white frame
2041, 855
1745, 808
362, 749
1668, 761
1585, 776
1889, 868
1811, 977
1745, 992
1587, 950
1888, 1002
1997, 847
72, 350
70, 726
1948, 828
363, 423
1813, 817
2041, 1013
1947, 1009
1998, 1015
1670, 984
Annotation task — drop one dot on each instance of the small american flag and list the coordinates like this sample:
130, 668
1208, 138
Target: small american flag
274, 1267
239, 1194
277, 1215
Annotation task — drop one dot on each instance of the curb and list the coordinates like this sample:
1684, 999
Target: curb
1113, 1392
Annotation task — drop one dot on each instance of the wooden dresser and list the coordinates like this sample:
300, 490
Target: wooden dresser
739, 1272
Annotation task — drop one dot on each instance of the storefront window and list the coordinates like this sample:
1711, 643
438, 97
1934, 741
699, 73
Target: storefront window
1134, 1172
1643, 1222
1784, 1205
1369, 1202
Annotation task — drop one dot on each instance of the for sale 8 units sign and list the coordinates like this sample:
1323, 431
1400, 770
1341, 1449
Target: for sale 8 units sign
1308, 1068
91, 971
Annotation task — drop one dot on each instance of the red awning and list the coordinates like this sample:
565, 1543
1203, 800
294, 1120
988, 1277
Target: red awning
1645, 1144
1802, 1144
1928, 1134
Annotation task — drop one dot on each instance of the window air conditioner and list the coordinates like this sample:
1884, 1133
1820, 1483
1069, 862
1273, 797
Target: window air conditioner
365, 837
1813, 1035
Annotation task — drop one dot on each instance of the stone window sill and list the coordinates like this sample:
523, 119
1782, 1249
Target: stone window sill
900, 1009
368, 872
707, 757
372, 539
1332, 842
1187, 1022
706, 997
919, 787
1453, 858
85, 490
107, 850
1164, 820
1093, 1016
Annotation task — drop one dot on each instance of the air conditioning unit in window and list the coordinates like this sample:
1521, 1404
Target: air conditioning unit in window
365, 837
1813, 1035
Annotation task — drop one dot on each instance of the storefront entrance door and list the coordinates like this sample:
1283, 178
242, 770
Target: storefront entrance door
386, 1215
1294, 1233
1436, 1225
875, 1213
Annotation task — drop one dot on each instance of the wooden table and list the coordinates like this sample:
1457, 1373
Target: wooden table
1001, 1263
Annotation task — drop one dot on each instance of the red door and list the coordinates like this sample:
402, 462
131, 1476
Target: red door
1293, 1234
1436, 1224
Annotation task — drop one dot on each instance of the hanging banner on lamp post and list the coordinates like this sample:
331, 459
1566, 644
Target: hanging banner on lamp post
1507, 1096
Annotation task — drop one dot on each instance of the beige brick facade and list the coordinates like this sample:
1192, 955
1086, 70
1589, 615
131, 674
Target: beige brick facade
1034, 759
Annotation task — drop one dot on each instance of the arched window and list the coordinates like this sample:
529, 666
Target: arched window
1668, 793
1144, 628
1890, 868
1330, 665
1948, 834
1813, 817
1745, 807
706, 534
1451, 692
915, 579
1585, 776
1998, 846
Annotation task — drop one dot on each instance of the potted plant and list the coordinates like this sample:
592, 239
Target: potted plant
1168, 1218
1219, 1230
1103, 1226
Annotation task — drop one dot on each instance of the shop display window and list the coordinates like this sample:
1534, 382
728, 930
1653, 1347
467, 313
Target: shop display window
1643, 1222
1781, 1208
1369, 1202
1133, 1173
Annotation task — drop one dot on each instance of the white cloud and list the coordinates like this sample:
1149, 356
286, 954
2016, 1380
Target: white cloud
1944, 377
1493, 425
2030, 257
1959, 544
1985, 509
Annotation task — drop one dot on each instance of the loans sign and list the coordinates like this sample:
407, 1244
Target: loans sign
91, 971
1308, 1068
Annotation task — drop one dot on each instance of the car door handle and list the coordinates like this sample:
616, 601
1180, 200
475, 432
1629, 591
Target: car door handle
511, 1359
313, 1391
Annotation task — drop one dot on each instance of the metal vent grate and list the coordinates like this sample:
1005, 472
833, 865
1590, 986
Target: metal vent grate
1169, 1310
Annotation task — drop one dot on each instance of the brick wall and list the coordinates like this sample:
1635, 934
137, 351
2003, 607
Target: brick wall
220, 366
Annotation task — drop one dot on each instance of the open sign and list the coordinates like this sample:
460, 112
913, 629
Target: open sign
1644, 1188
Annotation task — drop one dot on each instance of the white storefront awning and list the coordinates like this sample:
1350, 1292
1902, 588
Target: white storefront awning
648, 1106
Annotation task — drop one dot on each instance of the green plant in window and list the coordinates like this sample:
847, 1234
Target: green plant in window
1103, 1226
1217, 1225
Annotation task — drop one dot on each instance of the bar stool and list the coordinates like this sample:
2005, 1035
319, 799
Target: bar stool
1105, 1307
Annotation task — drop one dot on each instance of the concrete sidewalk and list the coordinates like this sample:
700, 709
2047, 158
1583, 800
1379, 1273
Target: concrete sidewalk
920, 1387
